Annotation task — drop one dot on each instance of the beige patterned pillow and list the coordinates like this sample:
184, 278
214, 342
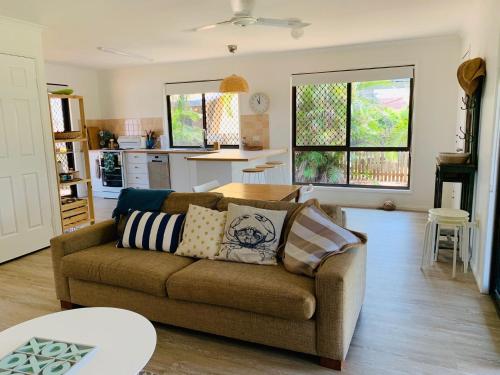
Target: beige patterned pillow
313, 238
203, 231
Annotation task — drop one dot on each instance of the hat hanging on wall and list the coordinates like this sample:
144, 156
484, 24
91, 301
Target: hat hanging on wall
233, 83
469, 74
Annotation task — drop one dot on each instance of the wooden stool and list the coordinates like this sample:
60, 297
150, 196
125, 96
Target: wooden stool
253, 176
279, 177
458, 221
267, 171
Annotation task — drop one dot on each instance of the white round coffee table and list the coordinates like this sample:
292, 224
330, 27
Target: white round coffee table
124, 340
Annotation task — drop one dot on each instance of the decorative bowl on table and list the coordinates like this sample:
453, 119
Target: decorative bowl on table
453, 157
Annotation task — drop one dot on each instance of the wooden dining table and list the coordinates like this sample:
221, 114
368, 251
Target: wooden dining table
264, 192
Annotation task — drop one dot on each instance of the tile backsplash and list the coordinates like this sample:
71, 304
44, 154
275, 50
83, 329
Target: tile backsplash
129, 126
254, 128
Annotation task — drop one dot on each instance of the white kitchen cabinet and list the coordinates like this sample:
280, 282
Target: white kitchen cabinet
136, 170
140, 158
181, 173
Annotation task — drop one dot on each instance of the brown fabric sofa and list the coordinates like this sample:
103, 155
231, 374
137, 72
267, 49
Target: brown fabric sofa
261, 304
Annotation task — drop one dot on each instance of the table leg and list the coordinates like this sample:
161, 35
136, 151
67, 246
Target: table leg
466, 240
470, 193
464, 195
438, 194
455, 234
438, 185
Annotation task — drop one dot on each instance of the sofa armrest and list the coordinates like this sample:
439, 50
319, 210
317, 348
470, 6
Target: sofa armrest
68, 243
340, 291
336, 213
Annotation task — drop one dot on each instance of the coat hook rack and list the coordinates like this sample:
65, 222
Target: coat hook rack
469, 103
463, 136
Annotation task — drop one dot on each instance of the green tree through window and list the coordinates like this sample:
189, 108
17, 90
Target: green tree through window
353, 134
197, 120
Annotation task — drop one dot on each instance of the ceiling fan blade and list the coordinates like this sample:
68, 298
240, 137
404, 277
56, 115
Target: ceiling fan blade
291, 23
242, 7
208, 27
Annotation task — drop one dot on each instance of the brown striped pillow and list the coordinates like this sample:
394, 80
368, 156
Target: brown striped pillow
314, 237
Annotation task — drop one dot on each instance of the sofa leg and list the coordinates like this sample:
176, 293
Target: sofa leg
65, 305
334, 364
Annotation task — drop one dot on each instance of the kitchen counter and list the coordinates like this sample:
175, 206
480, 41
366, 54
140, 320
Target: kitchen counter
191, 167
235, 155
170, 151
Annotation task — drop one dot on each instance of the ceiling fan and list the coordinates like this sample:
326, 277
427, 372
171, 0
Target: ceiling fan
242, 17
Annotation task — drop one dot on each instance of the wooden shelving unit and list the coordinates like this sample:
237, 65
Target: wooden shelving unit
75, 182
75, 211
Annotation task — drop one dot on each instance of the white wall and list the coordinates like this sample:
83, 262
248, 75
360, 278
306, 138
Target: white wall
482, 36
137, 92
21, 38
84, 81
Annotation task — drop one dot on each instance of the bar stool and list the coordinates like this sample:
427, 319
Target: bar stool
267, 171
447, 218
280, 176
253, 176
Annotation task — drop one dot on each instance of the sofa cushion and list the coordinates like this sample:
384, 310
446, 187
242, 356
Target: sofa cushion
178, 203
141, 270
269, 290
289, 207
152, 231
251, 235
313, 238
203, 232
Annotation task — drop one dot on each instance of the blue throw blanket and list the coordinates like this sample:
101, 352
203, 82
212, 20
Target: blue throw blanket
131, 199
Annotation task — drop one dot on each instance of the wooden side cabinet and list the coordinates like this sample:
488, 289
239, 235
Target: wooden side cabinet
458, 173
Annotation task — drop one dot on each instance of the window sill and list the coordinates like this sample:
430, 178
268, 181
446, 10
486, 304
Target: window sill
366, 190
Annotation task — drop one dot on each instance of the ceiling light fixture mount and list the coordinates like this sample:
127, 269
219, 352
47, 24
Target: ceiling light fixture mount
233, 83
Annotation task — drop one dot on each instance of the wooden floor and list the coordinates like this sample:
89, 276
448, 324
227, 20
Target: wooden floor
411, 323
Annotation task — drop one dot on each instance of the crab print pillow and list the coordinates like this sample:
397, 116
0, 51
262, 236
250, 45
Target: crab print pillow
251, 235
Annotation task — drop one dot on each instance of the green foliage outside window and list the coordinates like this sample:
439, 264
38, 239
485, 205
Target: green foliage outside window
187, 120
379, 118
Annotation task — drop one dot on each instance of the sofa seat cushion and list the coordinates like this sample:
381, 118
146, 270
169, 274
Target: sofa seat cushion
269, 290
140, 270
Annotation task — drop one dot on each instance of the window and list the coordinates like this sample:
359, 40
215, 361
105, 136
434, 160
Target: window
351, 132
200, 119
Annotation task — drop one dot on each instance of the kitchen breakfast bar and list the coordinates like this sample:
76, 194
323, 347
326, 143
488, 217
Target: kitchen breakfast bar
226, 165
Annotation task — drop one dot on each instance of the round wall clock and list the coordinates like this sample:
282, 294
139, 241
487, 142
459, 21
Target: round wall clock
259, 102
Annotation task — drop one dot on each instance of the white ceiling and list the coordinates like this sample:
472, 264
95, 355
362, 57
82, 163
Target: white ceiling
155, 28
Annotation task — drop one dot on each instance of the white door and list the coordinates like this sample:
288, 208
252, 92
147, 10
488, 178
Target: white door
25, 209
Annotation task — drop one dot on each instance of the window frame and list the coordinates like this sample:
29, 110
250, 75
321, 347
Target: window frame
204, 124
347, 147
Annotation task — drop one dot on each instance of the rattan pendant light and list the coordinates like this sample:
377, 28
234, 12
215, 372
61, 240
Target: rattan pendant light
233, 83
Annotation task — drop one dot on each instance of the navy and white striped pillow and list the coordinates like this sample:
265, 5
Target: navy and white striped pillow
152, 231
